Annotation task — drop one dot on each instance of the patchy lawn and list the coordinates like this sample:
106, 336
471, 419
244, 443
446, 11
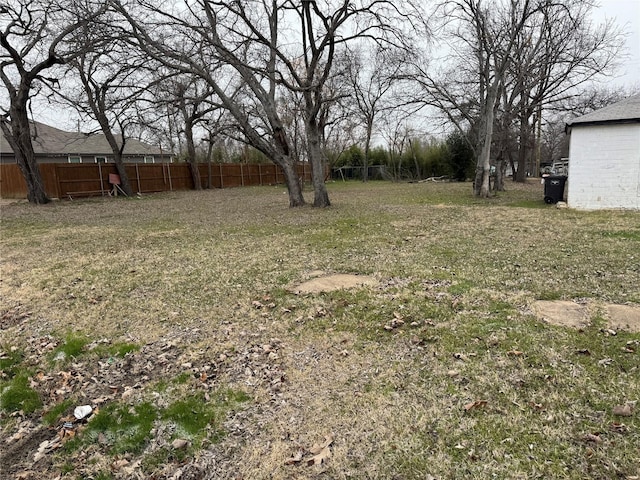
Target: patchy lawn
184, 321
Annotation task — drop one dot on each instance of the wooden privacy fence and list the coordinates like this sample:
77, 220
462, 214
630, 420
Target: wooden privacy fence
71, 180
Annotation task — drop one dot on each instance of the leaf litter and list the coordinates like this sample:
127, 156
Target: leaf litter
380, 398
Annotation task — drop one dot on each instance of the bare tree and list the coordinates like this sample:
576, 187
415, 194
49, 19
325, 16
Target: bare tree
32, 36
487, 34
248, 38
558, 50
525, 54
374, 79
205, 33
193, 101
114, 81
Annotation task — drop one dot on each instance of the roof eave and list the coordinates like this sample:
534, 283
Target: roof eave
593, 123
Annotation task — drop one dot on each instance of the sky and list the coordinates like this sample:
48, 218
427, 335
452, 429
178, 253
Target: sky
626, 13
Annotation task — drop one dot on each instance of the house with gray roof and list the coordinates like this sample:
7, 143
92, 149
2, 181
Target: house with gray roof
52, 145
604, 158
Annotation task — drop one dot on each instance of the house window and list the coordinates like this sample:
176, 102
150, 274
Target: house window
148, 159
101, 159
75, 159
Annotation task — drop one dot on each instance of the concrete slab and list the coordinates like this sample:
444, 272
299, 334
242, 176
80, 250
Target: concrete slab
623, 317
334, 282
562, 313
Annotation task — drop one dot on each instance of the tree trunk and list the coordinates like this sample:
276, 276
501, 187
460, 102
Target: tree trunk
367, 150
316, 158
501, 167
18, 135
524, 147
296, 199
116, 149
191, 148
125, 184
512, 164
483, 167
416, 163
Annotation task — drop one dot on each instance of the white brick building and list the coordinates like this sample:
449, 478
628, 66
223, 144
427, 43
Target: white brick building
604, 158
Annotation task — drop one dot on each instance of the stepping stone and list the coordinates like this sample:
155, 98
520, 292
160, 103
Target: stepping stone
330, 283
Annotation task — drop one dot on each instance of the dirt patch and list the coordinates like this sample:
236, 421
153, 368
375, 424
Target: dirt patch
330, 283
571, 314
562, 313
624, 317
19, 456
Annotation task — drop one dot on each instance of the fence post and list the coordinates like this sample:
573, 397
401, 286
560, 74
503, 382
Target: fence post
138, 178
241, 176
101, 180
260, 174
221, 176
57, 180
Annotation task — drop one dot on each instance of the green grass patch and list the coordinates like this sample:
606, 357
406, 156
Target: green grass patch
126, 429
17, 395
118, 350
10, 360
623, 234
122, 428
529, 204
72, 346
54, 413
182, 379
460, 287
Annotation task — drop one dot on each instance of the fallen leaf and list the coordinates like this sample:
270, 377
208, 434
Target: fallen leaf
476, 404
180, 443
605, 362
515, 353
119, 464
328, 440
297, 458
619, 427
320, 457
320, 452
592, 437
623, 410
66, 434
583, 351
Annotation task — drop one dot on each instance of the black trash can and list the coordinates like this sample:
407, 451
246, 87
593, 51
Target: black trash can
554, 188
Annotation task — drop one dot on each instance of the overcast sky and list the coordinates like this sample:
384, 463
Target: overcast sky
627, 14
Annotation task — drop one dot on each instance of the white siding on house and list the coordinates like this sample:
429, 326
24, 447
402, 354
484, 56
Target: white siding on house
604, 167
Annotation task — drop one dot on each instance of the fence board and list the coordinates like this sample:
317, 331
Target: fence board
63, 180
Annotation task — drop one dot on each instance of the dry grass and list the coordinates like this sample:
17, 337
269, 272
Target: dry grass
460, 272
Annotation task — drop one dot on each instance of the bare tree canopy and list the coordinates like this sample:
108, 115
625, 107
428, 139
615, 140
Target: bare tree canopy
262, 49
515, 57
32, 40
